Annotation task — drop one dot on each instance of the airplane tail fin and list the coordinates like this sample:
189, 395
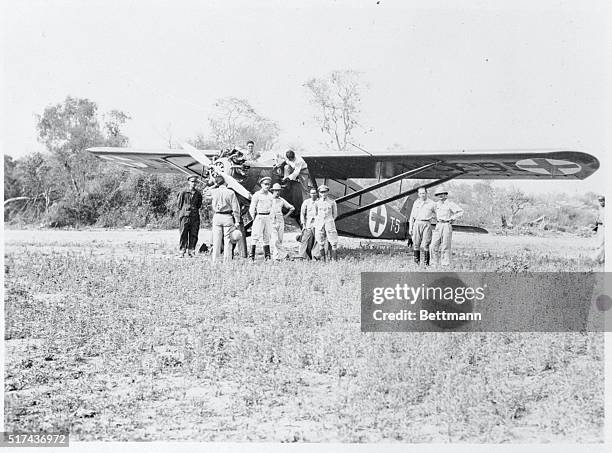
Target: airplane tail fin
407, 206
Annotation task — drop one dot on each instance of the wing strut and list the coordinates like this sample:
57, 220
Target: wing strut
386, 182
394, 197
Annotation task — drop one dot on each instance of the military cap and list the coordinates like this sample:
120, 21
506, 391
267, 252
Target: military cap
441, 191
601, 198
277, 186
323, 188
264, 179
192, 178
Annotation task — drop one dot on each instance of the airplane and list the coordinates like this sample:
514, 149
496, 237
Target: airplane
360, 213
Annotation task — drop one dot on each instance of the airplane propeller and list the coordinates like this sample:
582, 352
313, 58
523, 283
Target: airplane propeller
202, 158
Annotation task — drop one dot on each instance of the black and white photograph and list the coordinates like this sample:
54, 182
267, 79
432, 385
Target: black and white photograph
340, 224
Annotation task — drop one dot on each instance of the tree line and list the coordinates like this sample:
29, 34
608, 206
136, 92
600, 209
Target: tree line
67, 186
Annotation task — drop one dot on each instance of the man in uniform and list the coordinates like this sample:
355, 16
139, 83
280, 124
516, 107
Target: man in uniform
189, 202
227, 217
423, 211
600, 254
326, 212
278, 222
261, 205
307, 218
446, 213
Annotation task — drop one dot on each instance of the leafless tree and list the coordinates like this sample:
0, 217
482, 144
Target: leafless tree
337, 98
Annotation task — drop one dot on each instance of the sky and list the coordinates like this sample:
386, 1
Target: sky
440, 75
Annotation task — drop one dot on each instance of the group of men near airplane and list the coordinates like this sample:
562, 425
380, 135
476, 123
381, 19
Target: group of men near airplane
317, 217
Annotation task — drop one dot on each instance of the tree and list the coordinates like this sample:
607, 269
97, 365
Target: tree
12, 186
513, 201
337, 98
235, 121
68, 129
38, 180
201, 142
113, 122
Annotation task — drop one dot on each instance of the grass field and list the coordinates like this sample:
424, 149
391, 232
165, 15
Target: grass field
111, 337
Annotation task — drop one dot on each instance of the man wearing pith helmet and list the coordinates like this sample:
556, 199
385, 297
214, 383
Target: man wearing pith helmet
278, 223
326, 212
446, 213
189, 202
260, 208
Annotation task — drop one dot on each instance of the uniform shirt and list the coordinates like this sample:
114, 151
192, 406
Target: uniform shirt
325, 210
297, 166
423, 210
261, 203
225, 200
447, 210
189, 203
307, 213
277, 207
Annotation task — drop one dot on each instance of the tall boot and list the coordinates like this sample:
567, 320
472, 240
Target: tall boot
426, 258
267, 252
252, 254
417, 256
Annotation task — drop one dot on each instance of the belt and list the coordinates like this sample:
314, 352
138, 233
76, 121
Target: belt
444, 221
223, 212
263, 213
423, 220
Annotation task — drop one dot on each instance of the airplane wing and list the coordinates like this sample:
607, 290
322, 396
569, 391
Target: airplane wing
155, 161
503, 164
189, 161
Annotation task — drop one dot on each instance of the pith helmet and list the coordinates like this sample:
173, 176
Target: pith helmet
235, 236
276, 186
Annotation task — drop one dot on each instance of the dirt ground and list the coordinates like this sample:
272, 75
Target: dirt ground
108, 335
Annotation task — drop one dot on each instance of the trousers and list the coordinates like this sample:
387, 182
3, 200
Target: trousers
307, 243
222, 225
441, 244
189, 226
276, 240
326, 232
261, 229
421, 235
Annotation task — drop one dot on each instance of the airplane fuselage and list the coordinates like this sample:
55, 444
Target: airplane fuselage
381, 222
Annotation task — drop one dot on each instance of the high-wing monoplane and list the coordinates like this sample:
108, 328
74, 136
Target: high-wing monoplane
360, 213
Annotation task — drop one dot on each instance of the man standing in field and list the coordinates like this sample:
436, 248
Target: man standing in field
600, 255
446, 213
261, 205
278, 222
326, 212
423, 211
307, 219
226, 218
189, 202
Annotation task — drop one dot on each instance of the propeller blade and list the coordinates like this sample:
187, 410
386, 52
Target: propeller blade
197, 154
233, 184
